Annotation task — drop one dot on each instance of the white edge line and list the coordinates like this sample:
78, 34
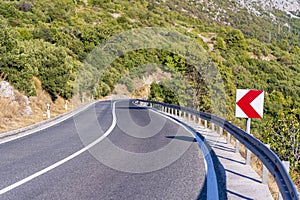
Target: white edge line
211, 178
43, 171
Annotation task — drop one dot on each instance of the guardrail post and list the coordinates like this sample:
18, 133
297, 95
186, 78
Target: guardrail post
199, 120
205, 123
221, 131
237, 146
228, 138
189, 118
286, 165
180, 113
212, 126
265, 172
248, 157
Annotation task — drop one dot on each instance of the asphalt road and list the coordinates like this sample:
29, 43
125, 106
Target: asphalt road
110, 151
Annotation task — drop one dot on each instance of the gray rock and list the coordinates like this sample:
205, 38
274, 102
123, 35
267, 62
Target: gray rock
27, 111
26, 100
6, 90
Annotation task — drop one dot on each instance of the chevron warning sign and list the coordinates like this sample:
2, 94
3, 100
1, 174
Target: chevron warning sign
249, 103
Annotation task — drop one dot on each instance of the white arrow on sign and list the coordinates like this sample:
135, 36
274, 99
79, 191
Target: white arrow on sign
249, 103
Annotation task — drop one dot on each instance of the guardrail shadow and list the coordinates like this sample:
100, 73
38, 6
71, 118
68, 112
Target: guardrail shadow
183, 138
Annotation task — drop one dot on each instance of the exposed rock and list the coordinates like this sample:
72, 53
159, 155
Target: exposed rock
287, 6
22, 102
26, 100
27, 111
6, 90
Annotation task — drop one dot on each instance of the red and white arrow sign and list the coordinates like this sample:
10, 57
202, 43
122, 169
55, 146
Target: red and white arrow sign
249, 103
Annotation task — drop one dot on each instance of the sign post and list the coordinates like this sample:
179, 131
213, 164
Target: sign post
249, 104
248, 153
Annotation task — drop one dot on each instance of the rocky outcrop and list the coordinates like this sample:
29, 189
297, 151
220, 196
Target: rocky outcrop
6, 90
288, 6
22, 102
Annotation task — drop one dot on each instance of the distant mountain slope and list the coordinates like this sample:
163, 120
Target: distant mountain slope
290, 6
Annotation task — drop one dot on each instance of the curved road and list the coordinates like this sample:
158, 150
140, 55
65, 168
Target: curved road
113, 150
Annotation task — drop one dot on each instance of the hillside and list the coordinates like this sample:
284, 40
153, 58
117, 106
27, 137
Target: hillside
53, 39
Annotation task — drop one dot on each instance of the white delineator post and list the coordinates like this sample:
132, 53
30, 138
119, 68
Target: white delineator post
48, 111
66, 105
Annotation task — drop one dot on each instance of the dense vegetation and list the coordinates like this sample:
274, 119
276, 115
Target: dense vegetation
50, 39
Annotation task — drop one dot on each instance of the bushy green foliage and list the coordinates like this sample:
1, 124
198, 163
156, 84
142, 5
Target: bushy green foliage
50, 39
283, 134
160, 92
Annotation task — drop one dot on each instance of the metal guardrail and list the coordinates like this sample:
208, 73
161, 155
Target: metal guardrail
267, 156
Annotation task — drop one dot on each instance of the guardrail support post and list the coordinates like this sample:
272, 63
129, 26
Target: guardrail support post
237, 146
286, 165
265, 172
228, 138
180, 113
199, 120
221, 131
248, 157
205, 123
212, 126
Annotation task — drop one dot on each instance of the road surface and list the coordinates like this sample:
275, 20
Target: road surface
112, 150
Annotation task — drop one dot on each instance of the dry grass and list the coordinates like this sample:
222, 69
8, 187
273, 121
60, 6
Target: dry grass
11, 116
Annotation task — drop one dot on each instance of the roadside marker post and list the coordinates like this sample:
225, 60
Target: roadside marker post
249, 104
66, 105
48, 111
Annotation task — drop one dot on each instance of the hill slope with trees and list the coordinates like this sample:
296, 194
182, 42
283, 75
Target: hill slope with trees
50, 40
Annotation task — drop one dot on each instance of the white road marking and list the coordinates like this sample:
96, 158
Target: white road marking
25, 180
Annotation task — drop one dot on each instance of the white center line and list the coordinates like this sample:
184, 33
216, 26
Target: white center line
25, 180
